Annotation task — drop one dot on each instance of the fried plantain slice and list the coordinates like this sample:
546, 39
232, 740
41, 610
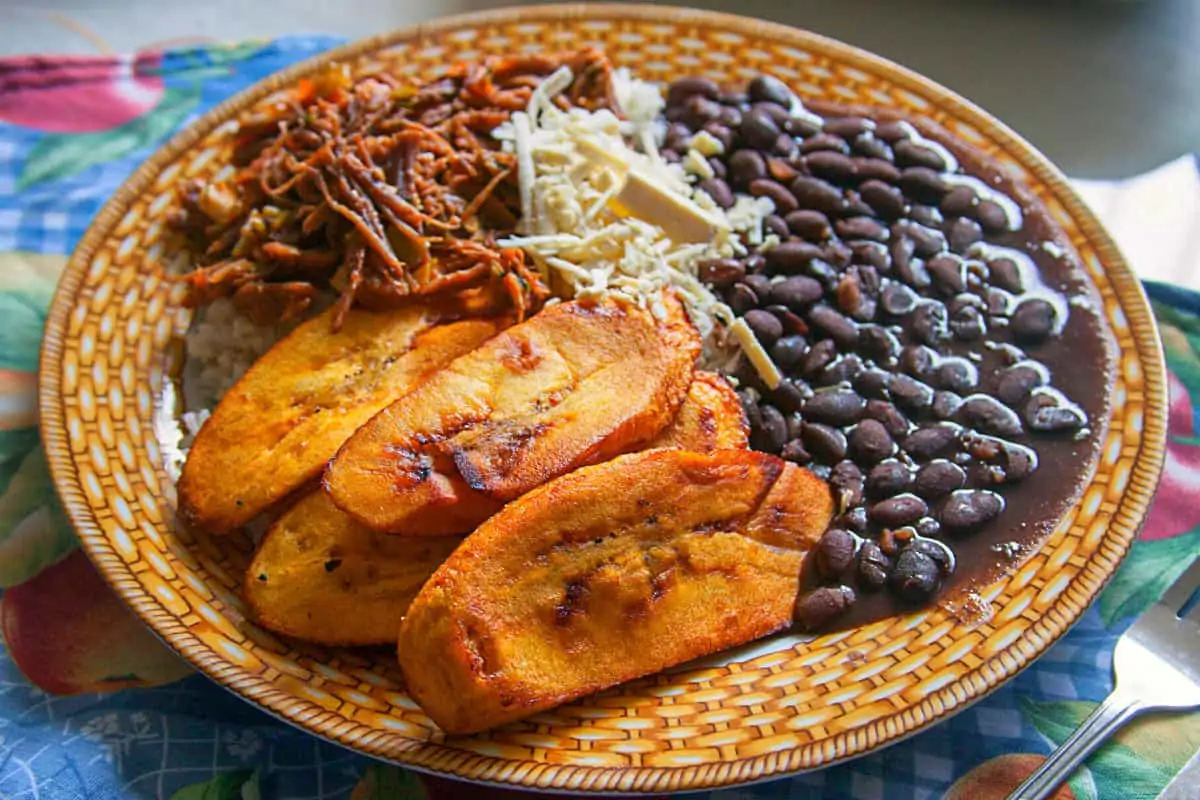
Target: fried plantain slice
287, 416
609, 573
320, 576
711, 418
575, 385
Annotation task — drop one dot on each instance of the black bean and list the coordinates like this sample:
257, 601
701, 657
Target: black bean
922, 185
819, 356
872, 383
835, 553
893, 131
964, 233
791, 394
670, 156
1033, 321
910, 393
855, 207
816, 194
741, 298
769, 89
931, 441
719, 191
885, 200
929, 323
925, 215
992, 216
912, 154
730, 117
949, 273
927, 242
791, 257
915, 578
831, 166
794, 451
861, 228
883, 411
756, 263
869, 442
880, 344
788, 352
1006, 274
837, 327
888, 478
759, 129
1016, 461
846, 480
678, 136
999, 302
843, 370
868, 145
784, 201
837, 253
838, 408
797, 292
872, 254
1019, 461
956, 374
897, 299
946, 404
802, 126
848, 127
852, 300
1016, 382
746, 166
773, 430
875, 169
928, 526
968, 324
901, 251
697, 110
918, 360
897, 511
912, 271
939, 477
939, 552
825, 141
989, 415
968, 509
853, 520
792, 323
684, 88
721, 272
1047, 411
808, 224
766, 326
761, 285
873, 566
775, 224
825, 443
821, 606
960, 201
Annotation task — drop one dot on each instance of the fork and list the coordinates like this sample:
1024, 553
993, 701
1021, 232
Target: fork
1157, 667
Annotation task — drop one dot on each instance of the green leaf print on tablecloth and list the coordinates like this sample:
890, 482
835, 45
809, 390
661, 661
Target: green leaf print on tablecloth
240, 784
59, 155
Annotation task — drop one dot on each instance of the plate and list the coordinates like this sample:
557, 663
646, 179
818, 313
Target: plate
779, 706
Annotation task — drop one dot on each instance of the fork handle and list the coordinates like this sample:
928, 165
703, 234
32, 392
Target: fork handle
1117, 709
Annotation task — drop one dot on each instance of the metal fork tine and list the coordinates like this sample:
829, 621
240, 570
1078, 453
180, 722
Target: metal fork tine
1183, 588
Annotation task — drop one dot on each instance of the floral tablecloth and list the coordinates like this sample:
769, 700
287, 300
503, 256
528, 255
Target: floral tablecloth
92, 706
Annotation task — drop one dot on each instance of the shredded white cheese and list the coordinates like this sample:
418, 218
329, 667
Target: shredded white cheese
601, 218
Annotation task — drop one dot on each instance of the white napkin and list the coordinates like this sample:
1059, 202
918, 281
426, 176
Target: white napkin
1155, 219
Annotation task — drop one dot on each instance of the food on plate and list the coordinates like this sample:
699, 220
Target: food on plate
711, 418
373, 187
683, 368
576, 384
608, 573
320, 576
287, 416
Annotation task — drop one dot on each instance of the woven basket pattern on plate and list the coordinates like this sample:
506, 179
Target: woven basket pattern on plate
778, 706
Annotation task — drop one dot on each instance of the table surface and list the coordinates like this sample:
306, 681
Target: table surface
1107, 88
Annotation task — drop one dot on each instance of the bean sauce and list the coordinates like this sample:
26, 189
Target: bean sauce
946, 366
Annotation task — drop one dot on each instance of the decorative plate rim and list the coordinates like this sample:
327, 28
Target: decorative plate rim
436, 757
